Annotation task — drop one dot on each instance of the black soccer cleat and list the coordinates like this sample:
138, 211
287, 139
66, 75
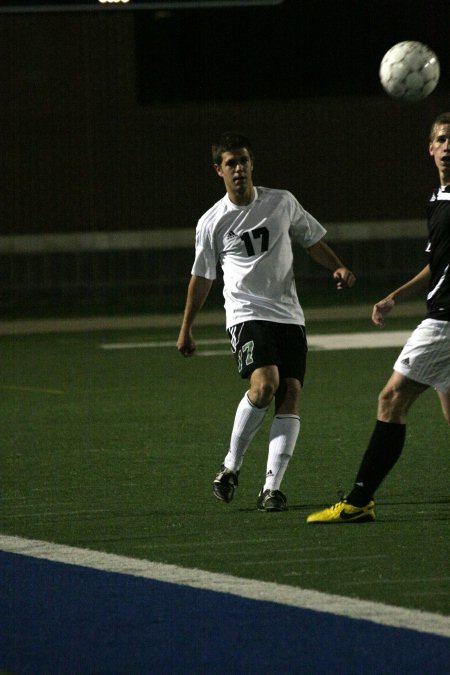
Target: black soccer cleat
271, 500
224, 484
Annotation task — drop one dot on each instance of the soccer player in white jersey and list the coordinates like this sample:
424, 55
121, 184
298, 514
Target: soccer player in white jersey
250, 232
425, 359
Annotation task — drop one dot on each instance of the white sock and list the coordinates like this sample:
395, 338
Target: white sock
247, 421
283, 436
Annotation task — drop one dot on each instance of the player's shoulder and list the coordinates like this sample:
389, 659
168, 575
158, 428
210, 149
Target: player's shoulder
279, 198
213, 214
274, 192
276, 195
440, 194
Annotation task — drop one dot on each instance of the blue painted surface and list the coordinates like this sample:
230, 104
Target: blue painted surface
65, 619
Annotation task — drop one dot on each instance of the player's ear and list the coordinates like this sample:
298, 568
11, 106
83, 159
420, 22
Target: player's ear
218, 170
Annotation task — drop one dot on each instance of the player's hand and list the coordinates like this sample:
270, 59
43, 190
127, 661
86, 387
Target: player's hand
344, 278
186, 344
381, 309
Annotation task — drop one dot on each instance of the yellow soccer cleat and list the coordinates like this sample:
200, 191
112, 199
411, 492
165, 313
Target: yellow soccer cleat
342, 512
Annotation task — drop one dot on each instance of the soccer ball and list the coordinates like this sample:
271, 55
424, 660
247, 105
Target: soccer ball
409, 71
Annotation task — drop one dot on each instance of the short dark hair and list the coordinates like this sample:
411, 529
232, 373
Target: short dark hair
230, 140
443, 118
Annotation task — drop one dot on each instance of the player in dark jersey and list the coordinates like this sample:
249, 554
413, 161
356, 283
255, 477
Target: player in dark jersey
425, 359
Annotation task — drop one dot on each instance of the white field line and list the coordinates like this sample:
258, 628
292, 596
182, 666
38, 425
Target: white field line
159, 344
398, 617
205, 318
334, 341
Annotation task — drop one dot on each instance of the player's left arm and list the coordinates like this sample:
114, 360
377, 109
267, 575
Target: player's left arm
323, 255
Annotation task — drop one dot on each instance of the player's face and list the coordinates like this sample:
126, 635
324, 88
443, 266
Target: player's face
236, 169
440, 150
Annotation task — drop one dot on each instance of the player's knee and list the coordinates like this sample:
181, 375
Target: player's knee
391, 402
262, 393
388, 396
287, 396
291, 390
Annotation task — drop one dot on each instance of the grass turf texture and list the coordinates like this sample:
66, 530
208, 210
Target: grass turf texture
116, 451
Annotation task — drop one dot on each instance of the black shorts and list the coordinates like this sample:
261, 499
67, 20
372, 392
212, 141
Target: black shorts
266, 343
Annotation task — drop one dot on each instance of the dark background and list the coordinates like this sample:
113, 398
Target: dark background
299, 48
107, 119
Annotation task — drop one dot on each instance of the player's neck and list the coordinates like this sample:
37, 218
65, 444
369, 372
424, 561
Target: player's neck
242, 199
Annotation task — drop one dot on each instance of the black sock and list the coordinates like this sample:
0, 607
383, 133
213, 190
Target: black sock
384, 449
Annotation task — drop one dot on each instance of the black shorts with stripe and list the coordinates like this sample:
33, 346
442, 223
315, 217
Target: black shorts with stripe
266, 343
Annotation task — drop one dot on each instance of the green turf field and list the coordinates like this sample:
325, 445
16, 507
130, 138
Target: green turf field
115, 450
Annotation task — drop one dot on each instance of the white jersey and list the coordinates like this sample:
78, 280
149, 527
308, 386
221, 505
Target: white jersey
253, 245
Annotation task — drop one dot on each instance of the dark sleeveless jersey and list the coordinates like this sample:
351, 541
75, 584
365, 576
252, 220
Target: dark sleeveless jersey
438, 212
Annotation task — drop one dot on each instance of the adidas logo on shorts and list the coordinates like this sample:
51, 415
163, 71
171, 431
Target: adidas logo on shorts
405, 362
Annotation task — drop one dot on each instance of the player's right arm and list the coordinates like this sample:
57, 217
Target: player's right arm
383, 307
197, 293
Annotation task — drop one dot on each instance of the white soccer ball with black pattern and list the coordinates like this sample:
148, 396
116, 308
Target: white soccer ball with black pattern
410, 71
